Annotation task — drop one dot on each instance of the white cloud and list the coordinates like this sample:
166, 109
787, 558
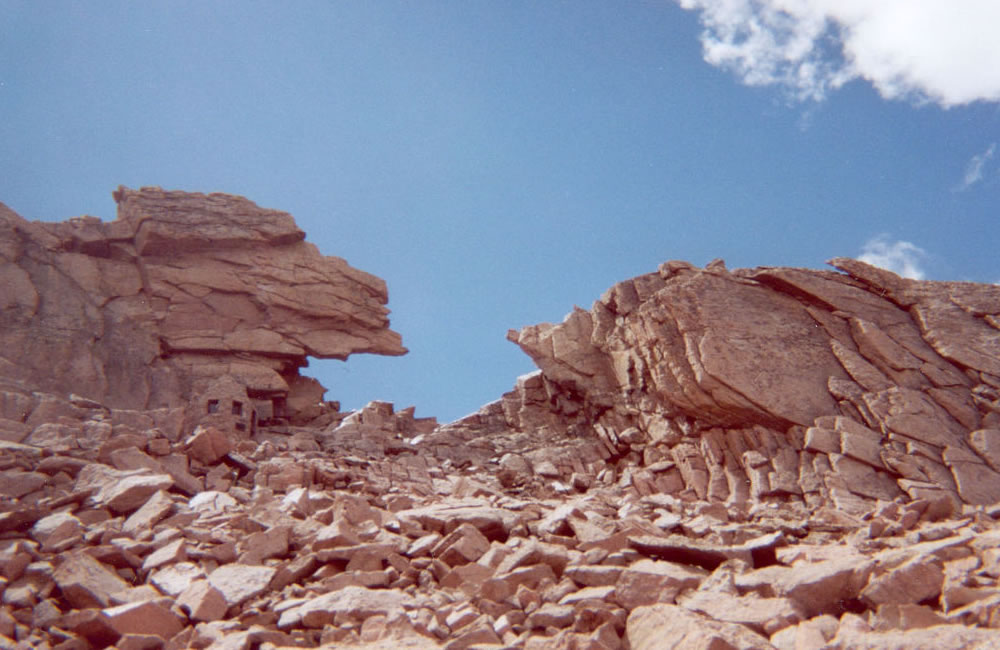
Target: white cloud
947, 52
974, 170
901, 257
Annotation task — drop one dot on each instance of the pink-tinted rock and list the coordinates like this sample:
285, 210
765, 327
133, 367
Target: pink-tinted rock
648, 581
763, 615
669, 626
355, 602
240, 582
85, 582
180, 288
147, 617
203, 602
152, 511
463, 545
175, 551
207, 445
816, 587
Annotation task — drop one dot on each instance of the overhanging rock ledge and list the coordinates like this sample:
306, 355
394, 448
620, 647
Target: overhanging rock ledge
182, 288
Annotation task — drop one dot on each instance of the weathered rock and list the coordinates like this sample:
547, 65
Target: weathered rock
758, 552
175, 578
719, 370
175, 551
208, 444
763, 615
203, 602
55, 530
146, 617
926, 638
152, 511
818, 441
912, 582
463, 545
817, 587
669, 626
648, 581
240, 582
85, 582
493, 523
355, 602
182, 287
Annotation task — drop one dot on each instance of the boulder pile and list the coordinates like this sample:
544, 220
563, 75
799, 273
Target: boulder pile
766, 458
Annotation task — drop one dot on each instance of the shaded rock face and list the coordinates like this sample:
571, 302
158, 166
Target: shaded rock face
180, 289
770, 383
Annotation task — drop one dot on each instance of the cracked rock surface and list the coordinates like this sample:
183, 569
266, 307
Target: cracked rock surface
766, 458
179, 289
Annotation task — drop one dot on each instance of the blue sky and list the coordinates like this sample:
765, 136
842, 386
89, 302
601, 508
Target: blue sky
498, 162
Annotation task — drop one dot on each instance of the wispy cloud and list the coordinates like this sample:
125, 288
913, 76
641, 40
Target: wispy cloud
922, 50
901, 257
974, 170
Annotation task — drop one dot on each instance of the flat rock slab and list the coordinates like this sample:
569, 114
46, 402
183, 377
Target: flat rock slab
493, 523
240, 582
85, 582
816, 587
147, 617
928, 638
651, 581
356, 602
759, 552
668, 626
763, 615
125, 494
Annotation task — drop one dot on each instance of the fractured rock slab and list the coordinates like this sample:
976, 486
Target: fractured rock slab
240, 582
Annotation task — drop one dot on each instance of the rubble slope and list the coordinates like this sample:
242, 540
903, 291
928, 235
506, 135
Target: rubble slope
766, 458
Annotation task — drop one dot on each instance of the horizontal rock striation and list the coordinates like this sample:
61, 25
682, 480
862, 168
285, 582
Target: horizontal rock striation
770, 383
180, 289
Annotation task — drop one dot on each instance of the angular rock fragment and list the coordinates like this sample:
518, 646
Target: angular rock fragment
817, 588
669, 626
354, 602
758, 552
146, 617
649, 581
207, 445
203, 602
240, 582
85, 582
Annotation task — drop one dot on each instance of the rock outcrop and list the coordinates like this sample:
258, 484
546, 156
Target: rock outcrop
766, 458
181, 289
770, 383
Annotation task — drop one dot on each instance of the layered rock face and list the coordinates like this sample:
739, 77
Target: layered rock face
180, 289
767, 458
771, 383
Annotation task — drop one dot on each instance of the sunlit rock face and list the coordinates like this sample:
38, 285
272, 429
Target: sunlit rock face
180, 289
769, 383
766, 458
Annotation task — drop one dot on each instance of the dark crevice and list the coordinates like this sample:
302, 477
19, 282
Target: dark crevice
783, 286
